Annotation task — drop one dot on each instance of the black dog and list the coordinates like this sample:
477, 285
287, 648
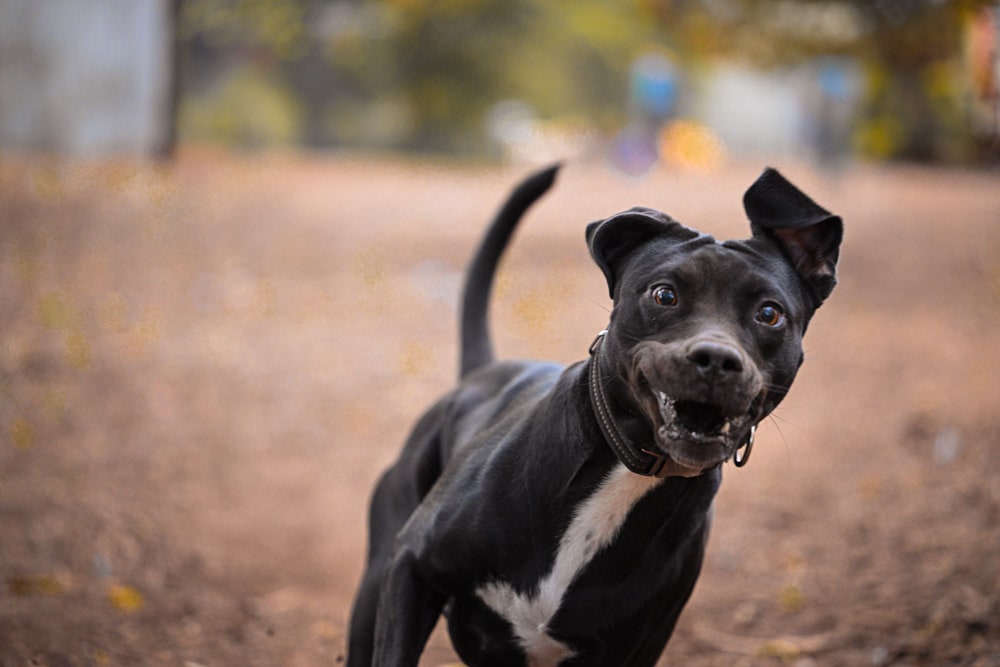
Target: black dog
559, 516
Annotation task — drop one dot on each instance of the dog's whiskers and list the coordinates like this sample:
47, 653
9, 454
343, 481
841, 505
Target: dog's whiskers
602, 306
774, 420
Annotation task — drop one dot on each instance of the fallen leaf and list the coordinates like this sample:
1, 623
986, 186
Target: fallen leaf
125, 598
31, 585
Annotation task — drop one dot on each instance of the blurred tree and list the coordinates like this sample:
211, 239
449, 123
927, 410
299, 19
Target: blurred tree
575, 57
276, 27
437, 67
422, 74
411, 74
911, 50
232, 83
445, 63
918, 45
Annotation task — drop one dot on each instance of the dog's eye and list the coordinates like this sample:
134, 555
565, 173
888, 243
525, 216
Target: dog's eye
770, 315
665, 295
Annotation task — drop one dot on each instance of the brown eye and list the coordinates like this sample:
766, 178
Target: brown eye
665, 295
770, 315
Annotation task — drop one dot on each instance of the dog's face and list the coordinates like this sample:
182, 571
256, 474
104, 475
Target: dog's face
706, 337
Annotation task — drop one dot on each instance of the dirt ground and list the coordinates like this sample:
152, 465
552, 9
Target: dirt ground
204, 367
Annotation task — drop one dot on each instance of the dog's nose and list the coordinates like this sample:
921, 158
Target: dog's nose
714, 358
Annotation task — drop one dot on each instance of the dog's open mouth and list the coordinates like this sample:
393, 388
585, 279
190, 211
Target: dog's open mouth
698, 422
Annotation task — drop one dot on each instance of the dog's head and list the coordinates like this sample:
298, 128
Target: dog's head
705, 336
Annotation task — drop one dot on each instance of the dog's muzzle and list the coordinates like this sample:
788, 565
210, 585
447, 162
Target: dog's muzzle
703, 401
702, 396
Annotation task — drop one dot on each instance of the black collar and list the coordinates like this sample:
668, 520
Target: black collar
634, 457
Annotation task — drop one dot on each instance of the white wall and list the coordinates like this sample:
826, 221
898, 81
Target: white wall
754, 112
85, 77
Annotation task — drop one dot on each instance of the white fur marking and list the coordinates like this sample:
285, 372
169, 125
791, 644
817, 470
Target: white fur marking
595, 524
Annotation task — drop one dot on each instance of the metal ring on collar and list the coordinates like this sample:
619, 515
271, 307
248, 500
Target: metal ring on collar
740, 462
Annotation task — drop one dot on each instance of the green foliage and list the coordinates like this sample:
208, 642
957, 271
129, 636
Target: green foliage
911, 49
413, 74
278, 27
249, 109
422, 74
575, 57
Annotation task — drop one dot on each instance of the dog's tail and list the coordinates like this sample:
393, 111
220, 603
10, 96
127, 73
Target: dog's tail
476, 343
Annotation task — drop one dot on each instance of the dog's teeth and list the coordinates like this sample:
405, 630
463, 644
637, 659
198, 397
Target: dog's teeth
726, 427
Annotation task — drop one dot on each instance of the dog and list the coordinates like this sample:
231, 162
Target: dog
559, 516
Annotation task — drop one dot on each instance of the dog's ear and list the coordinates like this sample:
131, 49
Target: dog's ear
613, 239
808, 235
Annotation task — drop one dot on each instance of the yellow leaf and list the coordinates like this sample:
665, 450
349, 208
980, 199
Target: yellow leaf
415, 359
54, 312
781, 649
324, 629
791, 599
77, 351
21, 434
125, 598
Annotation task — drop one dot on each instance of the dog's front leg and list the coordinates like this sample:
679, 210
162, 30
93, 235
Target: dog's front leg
408, 610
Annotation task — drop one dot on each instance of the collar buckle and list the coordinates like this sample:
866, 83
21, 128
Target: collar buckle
737, 460
597, 341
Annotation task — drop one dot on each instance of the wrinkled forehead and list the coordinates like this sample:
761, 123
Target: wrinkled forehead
706, 263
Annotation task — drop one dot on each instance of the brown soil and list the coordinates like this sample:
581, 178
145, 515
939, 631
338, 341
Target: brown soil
203, 369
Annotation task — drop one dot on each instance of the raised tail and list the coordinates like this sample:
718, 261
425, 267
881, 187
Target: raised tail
476, 343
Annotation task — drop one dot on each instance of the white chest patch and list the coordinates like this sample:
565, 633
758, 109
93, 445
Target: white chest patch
595, 524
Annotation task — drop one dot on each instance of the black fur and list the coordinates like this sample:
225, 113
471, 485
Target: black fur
494, 472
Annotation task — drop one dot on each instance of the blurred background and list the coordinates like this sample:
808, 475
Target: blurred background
686, 81
232, 239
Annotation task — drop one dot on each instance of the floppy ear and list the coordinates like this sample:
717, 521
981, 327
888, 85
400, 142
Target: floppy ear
808, 235
613, 239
